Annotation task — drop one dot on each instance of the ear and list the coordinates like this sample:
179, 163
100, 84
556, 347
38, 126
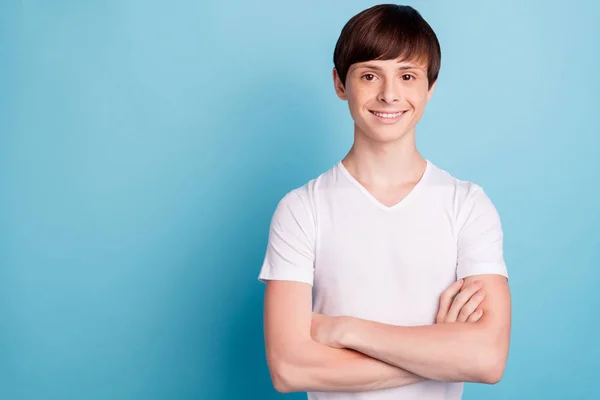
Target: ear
430, 93
340, 90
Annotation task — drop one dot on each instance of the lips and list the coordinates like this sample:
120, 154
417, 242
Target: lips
388, 118
388, 115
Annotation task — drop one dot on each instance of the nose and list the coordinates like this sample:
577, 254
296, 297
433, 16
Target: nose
390, 93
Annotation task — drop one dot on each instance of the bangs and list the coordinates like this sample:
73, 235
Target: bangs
392, 42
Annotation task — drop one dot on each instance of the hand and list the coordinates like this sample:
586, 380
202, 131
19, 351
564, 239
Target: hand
325, 329
463, 307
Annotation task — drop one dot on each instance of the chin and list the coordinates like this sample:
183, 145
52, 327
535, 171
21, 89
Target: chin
386, 135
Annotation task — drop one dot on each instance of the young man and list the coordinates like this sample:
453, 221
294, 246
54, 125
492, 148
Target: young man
363, 262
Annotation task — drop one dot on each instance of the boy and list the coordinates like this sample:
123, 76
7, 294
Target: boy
357, 258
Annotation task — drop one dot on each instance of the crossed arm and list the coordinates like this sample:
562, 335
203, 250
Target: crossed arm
298, 363
474, 352
308, 352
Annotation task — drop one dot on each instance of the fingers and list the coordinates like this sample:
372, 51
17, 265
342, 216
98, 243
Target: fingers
446, 300
461, 300
476, 316
469, 308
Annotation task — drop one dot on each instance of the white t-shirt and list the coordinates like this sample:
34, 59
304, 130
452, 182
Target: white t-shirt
385, 264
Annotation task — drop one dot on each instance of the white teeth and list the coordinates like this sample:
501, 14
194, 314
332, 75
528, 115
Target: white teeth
386, 115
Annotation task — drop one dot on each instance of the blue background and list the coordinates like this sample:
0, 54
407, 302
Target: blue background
144, 146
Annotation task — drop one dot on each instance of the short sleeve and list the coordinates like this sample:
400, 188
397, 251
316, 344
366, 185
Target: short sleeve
290, 249
480, 236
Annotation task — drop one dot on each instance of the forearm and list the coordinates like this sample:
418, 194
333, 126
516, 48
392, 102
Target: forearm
316, 367
446, 352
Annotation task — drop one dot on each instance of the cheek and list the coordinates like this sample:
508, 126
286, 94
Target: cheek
356, 112
359, 98
417, 97
355, 102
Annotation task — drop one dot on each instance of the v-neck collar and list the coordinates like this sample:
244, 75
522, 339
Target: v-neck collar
372, 198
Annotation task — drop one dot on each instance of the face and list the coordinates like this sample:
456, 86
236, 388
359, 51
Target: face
386, 97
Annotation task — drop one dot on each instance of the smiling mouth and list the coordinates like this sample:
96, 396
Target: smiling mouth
389, 116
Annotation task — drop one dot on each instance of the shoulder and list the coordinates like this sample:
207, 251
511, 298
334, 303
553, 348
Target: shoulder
299, 203
462, 193
303, 198
466, 201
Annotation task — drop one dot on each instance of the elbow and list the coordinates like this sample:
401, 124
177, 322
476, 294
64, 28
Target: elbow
492, 375
287, 368
491, 369
283, 378
283, 385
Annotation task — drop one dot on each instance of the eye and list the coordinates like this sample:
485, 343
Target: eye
371, 77
407, 77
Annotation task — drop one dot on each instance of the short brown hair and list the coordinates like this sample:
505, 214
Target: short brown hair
386, 32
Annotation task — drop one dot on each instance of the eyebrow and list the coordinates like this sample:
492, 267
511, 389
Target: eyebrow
377, 68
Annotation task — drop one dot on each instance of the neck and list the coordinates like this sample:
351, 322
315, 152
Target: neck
385, 164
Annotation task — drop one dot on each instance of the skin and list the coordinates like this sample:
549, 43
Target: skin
386, 86
460, 303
